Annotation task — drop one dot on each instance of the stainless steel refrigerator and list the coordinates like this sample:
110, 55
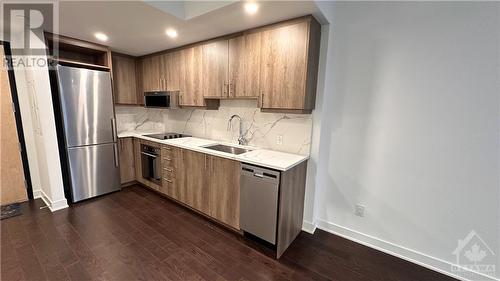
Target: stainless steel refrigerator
87, 132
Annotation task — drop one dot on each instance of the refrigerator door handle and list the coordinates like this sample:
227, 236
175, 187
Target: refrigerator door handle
115, 152
113, 128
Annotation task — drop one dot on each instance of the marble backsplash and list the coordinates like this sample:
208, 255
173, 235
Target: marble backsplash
261, 129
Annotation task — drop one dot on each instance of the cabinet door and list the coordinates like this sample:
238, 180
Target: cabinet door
215, 69
191, 77
225, 190
124, 80
283, 70
150, 73
127, 162
196, 182
172, 69
244, 65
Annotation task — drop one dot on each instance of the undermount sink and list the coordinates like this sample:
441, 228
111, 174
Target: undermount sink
228, 149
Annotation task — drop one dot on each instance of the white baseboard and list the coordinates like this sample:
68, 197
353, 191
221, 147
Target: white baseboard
308, 227
401, 252
37, 193
53, 206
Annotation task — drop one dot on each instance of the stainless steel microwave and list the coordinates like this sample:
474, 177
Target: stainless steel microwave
162, 99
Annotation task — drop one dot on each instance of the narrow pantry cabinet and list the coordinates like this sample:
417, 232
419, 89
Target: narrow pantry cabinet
290, 57
127, 160
224, 185
244, 65
124, 80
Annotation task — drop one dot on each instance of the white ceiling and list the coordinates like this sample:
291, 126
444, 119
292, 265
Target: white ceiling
138, 28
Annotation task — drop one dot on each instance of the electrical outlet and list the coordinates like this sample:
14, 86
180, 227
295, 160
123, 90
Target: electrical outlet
279, 140
359, 210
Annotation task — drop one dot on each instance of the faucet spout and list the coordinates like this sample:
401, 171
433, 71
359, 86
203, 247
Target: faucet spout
241, 139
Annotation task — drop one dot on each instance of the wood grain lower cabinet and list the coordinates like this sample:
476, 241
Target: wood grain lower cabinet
127, 160
224, 186
174, 173
196, 180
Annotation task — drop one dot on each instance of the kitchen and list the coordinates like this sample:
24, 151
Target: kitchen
200, 150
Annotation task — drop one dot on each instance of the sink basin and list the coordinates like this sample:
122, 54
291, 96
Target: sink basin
228, 149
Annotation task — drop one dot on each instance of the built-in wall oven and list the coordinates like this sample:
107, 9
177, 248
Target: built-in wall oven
151, 163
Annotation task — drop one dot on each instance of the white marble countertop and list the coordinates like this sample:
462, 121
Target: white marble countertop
262, 157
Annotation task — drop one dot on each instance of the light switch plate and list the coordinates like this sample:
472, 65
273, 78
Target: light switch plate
279, 140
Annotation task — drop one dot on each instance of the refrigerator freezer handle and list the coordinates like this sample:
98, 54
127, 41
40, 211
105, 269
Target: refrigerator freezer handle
113, 128
115, 152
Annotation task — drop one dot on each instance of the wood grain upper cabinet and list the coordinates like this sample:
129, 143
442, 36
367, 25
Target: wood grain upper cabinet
127, 161
244, 65
171, 66
191, 92
224, 189
150, 73
290, 57
196, 182
215, 69
124, 79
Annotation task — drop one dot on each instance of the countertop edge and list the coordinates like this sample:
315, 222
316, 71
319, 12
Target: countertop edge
218, 154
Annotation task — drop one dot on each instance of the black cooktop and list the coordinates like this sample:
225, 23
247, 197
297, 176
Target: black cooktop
166, 136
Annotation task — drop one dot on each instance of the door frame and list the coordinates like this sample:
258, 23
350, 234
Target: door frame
17, 115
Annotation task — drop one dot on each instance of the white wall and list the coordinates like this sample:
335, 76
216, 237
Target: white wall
26, 109
37, 113
410, 127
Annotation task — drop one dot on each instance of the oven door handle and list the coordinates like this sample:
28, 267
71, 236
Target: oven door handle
149, 154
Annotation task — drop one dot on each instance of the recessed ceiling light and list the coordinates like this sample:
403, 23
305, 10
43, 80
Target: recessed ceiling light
172, 33
251, 8
101, 36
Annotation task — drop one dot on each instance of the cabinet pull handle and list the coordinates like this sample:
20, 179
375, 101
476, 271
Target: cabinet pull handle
167, 180
167, 148
168, 170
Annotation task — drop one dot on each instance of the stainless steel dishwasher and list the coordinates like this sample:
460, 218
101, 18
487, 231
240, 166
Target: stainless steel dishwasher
259, 201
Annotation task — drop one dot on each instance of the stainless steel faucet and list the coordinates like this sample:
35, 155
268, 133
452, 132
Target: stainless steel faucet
241, 138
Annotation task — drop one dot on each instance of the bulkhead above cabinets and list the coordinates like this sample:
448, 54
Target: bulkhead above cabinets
275, 64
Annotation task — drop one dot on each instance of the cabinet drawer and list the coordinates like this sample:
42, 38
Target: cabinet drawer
168, 172
168, 187
166, 150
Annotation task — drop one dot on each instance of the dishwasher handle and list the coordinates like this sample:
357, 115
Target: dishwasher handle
258, 172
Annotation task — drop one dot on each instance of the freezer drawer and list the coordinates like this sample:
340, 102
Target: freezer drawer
87, 106
259, 201
93, 170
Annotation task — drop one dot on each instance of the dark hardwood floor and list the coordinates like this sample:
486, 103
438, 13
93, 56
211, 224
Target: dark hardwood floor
136, 234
